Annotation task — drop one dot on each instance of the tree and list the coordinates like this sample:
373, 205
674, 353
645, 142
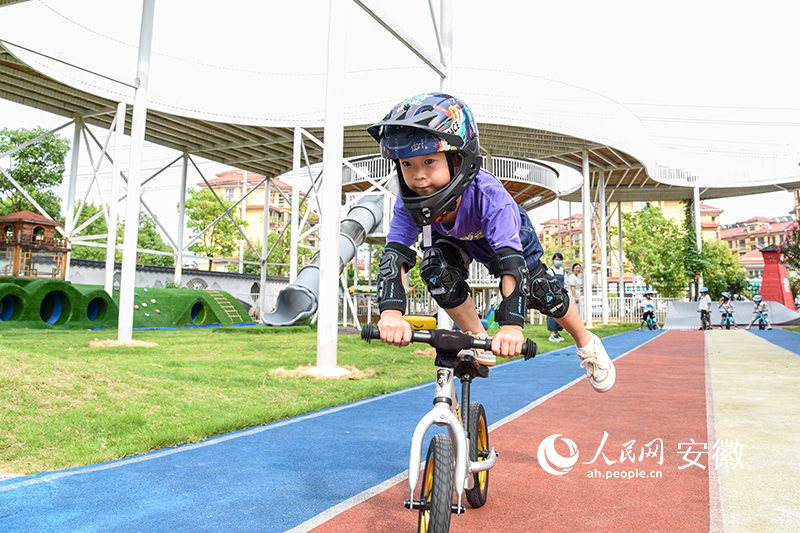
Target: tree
655, 247
280, 254
790, 248
249, 255
694, 261
98, 227
37, 168
723, 271
150, 239
202, 208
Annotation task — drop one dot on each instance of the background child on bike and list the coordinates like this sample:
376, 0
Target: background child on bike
648, 308
726, 306
704, 306
464, 214
760, 310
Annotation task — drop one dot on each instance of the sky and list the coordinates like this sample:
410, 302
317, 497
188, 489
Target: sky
711, 81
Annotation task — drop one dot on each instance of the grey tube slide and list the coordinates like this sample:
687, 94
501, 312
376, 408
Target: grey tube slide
298, 302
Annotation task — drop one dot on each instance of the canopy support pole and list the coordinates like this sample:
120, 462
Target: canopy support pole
587, 241
113, 201
603, 250
330, 221
138, 125
181, 222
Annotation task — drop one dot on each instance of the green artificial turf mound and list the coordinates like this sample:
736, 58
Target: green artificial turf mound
43, 304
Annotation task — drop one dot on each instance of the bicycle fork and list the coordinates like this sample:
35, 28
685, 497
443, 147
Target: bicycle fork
446, 412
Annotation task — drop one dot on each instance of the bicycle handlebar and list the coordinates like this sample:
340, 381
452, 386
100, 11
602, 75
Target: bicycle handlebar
449, 341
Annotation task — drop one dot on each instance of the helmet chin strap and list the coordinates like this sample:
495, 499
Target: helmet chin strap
427, 240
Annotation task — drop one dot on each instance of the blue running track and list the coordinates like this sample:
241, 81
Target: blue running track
275, 477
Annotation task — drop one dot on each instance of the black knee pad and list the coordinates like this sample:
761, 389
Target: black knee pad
444, 272
546, 294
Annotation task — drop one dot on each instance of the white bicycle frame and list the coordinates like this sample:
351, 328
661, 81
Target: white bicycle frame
446, 412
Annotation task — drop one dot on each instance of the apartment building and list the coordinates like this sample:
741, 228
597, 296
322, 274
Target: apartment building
233, 184
755, 233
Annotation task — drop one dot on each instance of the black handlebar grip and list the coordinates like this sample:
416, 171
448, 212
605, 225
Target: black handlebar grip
529, 349
369, 332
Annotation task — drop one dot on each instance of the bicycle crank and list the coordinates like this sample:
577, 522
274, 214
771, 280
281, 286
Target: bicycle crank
424, 505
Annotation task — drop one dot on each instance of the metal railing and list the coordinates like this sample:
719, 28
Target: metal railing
31, 238
505, 168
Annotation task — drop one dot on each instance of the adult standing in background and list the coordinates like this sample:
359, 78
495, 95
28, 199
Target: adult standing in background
561, 275
576, 287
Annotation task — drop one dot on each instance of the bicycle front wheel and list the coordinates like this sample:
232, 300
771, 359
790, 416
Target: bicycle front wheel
437, 487
478, 451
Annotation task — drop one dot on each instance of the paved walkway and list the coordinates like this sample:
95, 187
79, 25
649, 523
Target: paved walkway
346, 467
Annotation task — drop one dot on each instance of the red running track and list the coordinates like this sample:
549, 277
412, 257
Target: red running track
660, 393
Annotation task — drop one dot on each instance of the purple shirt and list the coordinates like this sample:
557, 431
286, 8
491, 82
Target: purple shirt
488, 219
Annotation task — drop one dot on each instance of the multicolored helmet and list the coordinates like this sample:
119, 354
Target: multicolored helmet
727, 295
757, 298
649, 293
703, 289
426, 124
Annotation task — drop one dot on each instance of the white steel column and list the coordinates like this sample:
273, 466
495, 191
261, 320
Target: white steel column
295, 214
443, 320
181, 221
558, 232
621, 263
243, 211
73, 183
138, 126
587, 242
446, 35
262, 291
328, 308
698, 234
113, 202
603, 250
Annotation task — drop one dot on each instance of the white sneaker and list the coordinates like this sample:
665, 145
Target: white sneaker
559, 338
599, 367
552, 338
484, 357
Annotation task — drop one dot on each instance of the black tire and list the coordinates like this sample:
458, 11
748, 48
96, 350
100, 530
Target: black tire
761, 325
650, 324
437, 486
478, 449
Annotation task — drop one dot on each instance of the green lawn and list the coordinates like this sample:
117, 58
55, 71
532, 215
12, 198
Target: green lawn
69, 401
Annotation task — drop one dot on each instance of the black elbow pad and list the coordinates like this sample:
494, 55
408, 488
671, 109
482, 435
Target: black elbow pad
395, 259
514, 307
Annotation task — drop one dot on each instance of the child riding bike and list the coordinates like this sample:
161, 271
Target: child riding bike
704, 306
760, 311
464, 213
648, 308
726, 305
